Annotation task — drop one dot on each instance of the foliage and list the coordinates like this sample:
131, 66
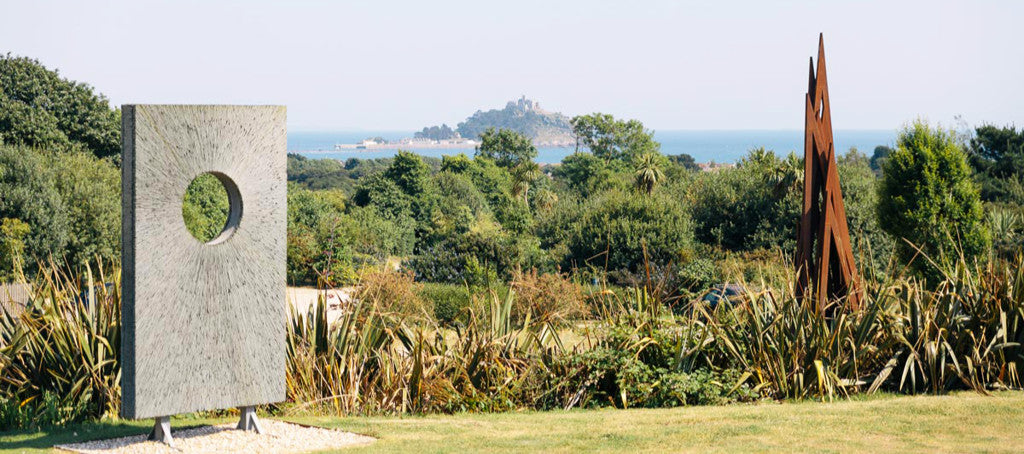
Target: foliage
685, 161
997, 157
12, 247
621, 230
551, 298
205, 207
38, 108
648, 173
928, 199
318, 248
59, 359
879, 156
506, 147
613, 140
393, 293
443, 132
753, 206
70, 201
586, 174
408, 172
859, 185
451, 302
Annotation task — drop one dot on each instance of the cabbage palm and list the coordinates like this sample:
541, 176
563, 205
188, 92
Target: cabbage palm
648, 172
523, 175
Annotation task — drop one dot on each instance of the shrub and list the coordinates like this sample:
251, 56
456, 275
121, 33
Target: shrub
451, 302
392, 292
927, 197
624, 230
753, 206
548, 297
60, 358
698, 275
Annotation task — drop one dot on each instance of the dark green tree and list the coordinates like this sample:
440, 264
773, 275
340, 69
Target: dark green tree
506, 147
878, 158
38, 108
612, 230
927, 197
997, 157
587, 174
28, 193
408, 172
613, 140
684, 160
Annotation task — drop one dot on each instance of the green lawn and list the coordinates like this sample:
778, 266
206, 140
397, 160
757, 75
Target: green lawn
960, 422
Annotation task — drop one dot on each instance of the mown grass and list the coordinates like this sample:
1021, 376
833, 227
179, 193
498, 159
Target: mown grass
959, 422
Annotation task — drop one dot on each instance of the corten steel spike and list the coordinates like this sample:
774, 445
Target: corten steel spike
825, 266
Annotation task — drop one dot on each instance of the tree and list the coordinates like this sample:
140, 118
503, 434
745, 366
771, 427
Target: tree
752, 206
648, 172
28, 193
523, 175
613, 140
928, 198
684, 160
38, 108
408, 172
205, 208
587, 174
506, 147
997, 157
878, 158
90, 189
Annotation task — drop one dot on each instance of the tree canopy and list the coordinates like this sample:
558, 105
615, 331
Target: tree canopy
39, 108
928, 198
613, 140
506, 147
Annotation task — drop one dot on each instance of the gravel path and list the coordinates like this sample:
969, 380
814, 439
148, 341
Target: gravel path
280, 437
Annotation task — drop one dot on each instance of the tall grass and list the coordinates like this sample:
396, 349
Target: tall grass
59, 359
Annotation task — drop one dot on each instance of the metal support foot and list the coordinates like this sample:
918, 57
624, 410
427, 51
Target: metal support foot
249, 421
162, 431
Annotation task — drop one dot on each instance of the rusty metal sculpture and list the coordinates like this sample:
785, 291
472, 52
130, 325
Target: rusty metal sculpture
825, 267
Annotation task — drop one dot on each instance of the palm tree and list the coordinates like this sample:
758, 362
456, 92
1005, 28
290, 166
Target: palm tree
546, 199
523, 175
648, 172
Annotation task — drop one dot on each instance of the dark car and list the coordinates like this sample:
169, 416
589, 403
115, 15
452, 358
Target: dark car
723, 293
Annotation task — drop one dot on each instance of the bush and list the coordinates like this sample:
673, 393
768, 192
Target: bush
451, 302
618, 230
753, 206
70, 202
60, 359
392, 292
548, 297
928, 198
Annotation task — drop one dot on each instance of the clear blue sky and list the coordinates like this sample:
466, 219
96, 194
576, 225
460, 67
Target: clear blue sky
673, 65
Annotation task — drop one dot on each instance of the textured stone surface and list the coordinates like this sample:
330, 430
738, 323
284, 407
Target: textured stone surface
204, 324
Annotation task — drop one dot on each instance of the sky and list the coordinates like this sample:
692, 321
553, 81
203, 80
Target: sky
389, 65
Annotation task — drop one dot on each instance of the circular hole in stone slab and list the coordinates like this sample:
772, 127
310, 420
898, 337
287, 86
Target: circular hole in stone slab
212, 207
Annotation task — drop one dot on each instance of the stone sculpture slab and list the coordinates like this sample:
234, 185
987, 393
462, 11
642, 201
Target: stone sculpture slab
203, 323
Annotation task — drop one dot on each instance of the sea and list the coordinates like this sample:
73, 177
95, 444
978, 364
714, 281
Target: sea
720, 146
